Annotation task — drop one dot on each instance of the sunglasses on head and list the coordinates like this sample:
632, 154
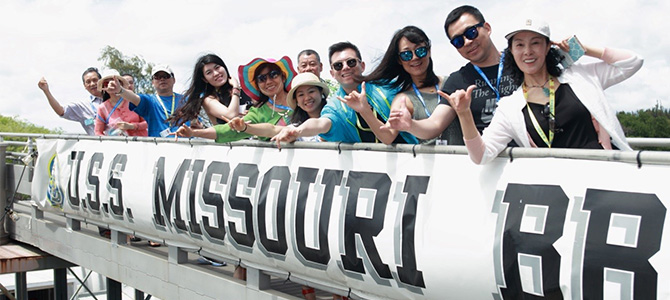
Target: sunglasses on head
420, 52
546, 112
269, 75
470, 33
352, 62
162, 76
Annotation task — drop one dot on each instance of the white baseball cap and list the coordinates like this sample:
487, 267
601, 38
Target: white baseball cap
534, 25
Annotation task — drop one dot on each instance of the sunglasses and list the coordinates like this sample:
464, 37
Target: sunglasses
162, 76
269, 75
546, 112
470, 33
352, 62
420, 52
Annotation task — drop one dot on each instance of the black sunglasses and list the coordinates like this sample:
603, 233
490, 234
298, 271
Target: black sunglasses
470, 33
162, 76
420, 52
263, 77
352, 62
546, 112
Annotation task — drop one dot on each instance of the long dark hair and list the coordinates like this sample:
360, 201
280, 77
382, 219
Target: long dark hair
300, 115
552, 62
390, 71
201, 89
271, 66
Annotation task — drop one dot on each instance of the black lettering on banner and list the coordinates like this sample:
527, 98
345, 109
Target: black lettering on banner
215, 199
196, 168
408, 272
331, 179
164, 203
116, 187
243, 204
73, 183
366, 228
541, 209
94, 199
642, 217
283, 175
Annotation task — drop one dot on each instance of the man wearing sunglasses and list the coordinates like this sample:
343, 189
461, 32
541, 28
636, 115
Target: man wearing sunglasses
358, 113
470, 34
156, 108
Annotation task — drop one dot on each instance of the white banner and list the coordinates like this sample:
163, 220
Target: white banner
386, 225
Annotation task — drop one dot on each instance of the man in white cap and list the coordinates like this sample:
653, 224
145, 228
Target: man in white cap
83, 111
156, 109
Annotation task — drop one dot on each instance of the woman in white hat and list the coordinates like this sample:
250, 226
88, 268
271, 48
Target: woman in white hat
554, 107
114, 117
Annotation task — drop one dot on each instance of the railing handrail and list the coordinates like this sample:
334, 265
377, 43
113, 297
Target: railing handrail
639, 157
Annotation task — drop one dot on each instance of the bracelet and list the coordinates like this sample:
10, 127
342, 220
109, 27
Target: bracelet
120, 92
245, 127
237, 91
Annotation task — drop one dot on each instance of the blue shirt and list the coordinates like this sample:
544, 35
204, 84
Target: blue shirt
156, 114
343, 117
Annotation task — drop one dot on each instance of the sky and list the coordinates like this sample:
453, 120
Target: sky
60, 39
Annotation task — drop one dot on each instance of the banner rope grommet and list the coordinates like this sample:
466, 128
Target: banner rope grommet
339, 150
413, 150
639, 160
511, 158
288, 278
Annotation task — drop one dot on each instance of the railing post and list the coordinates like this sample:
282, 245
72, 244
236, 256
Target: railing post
4, 236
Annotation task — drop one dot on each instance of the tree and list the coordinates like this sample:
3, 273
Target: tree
652, 122
136, 66
16, 125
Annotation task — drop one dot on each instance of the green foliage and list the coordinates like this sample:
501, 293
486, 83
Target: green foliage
653, 122
136, 66
332, 85
16, 125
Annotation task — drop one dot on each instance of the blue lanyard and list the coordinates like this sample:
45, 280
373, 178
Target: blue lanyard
279, 106
500, 69
111, 112
418, 95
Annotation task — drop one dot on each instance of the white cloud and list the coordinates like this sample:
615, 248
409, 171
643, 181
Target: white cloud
59, 39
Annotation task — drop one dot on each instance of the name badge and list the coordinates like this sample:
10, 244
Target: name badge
165, 133
89, 121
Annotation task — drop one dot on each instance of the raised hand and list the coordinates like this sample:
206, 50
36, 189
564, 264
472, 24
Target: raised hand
43, 85
184, 131
238, 124
399, 118
287, 134
459, 100
114, 86
357, 101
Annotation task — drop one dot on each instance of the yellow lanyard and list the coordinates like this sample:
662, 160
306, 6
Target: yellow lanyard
374, 110
552, 108
167, 115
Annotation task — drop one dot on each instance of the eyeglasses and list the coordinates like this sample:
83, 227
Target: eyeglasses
162, 76
470, 33
420, 52
546, 112
352, 62
263, 77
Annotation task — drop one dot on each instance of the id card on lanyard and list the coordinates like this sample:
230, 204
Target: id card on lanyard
166, 132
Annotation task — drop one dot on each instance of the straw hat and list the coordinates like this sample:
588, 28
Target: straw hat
110, 74
306, 78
